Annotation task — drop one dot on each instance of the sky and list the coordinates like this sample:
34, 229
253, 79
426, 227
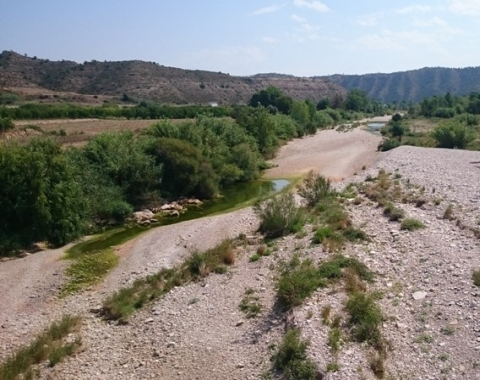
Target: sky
246, 37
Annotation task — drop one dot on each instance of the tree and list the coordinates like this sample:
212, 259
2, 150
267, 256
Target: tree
186, 171
39, 197
272, 96
357, 100
6, 124
453, 134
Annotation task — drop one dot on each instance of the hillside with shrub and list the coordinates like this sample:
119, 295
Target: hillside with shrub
139, 80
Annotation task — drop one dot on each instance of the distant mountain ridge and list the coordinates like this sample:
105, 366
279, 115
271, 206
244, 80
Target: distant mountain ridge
151, 81
412, 85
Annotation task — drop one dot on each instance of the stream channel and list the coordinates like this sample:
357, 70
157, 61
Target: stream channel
232, 198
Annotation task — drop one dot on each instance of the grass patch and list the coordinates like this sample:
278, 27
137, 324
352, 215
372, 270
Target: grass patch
88, 270
298, 280
143, 291
250, 305
333, 367
411, 224
280, 216
292, 359
476, 277
48, 345
254, 257
326, 314
335, 339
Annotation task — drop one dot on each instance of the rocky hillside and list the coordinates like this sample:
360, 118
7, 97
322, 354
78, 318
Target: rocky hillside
412, 85
148, 80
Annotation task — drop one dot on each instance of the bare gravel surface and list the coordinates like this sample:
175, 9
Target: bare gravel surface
198, 332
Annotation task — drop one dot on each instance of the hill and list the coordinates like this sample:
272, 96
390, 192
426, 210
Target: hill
148, 81
412, 85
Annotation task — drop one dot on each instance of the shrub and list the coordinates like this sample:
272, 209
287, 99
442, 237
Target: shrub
332, 269
315, 188
388, 144
448, 213
250, 305
365, 317
453, 134
6, 124
354, 234
476, 277
393, 213
280, 216
292, 359
321, 234
297, 281
411, 224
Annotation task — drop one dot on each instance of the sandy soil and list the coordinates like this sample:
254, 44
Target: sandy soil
336, 155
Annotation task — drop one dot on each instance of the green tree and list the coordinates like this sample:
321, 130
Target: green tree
39, 197
186, 172
357, 100
453, 134
272, 96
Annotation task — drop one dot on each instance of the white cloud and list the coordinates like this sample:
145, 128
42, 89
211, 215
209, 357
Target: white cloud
465, 7
435, 21
414, 9
315, 5
371, 20
265, 10
269, 40
297, 18
388, 40
307, 30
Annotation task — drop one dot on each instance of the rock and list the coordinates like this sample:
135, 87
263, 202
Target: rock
417, 296
144, 215
239, 323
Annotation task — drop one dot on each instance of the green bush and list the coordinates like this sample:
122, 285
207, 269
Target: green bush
388, 144
333, 268
411, 224
297, 281
292, 358
365, 317
6, 124
393, 213
476, 277
354, 234
324, 233
315, 188
453, 134
280, 216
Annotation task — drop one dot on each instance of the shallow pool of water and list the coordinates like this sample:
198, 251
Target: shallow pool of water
375, 126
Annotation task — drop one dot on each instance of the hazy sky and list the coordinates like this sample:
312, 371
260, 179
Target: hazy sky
243, 37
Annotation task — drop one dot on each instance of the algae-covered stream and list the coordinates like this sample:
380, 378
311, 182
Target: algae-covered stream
232, 198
